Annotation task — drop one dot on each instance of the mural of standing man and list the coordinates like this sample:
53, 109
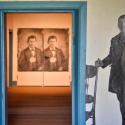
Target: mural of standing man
116, 58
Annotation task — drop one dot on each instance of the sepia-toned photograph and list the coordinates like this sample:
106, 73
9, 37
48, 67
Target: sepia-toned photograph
43, 49
30, 47
56, 49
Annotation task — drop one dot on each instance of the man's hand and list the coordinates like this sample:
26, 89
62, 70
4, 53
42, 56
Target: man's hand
60, 68
98, 63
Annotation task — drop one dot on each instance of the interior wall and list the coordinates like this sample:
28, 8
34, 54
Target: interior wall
40, 20
101, 27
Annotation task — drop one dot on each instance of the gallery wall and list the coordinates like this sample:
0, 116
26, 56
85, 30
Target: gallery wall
101, 27
38, 20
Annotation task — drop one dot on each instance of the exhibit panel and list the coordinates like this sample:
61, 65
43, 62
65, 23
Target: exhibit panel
37, 67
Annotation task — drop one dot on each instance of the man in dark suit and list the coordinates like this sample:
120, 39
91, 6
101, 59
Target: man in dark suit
54, 58
116, 59
31, 57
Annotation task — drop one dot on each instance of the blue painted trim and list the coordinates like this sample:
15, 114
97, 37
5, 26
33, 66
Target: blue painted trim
82, 63
37, 11
0, 69
74, 69
41, 5
2, 72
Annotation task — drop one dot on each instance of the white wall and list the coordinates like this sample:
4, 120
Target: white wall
102, 26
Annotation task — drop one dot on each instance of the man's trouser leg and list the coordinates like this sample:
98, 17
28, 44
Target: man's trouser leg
121, 98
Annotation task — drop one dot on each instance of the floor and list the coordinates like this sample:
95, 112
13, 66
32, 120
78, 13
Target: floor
39, 106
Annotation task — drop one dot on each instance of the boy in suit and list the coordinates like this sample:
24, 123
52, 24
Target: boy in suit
54, 58
31, 57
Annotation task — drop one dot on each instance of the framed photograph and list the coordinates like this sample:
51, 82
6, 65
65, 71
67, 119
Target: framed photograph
60, 54
30, 47
49, 50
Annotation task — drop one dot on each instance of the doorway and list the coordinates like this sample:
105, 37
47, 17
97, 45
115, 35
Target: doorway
39, 82
79, 11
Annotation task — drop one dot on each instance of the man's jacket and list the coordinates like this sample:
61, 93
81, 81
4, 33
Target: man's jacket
115, 60
24, 63
60, 59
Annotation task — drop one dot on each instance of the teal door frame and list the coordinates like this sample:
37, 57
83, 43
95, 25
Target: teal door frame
79, 12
